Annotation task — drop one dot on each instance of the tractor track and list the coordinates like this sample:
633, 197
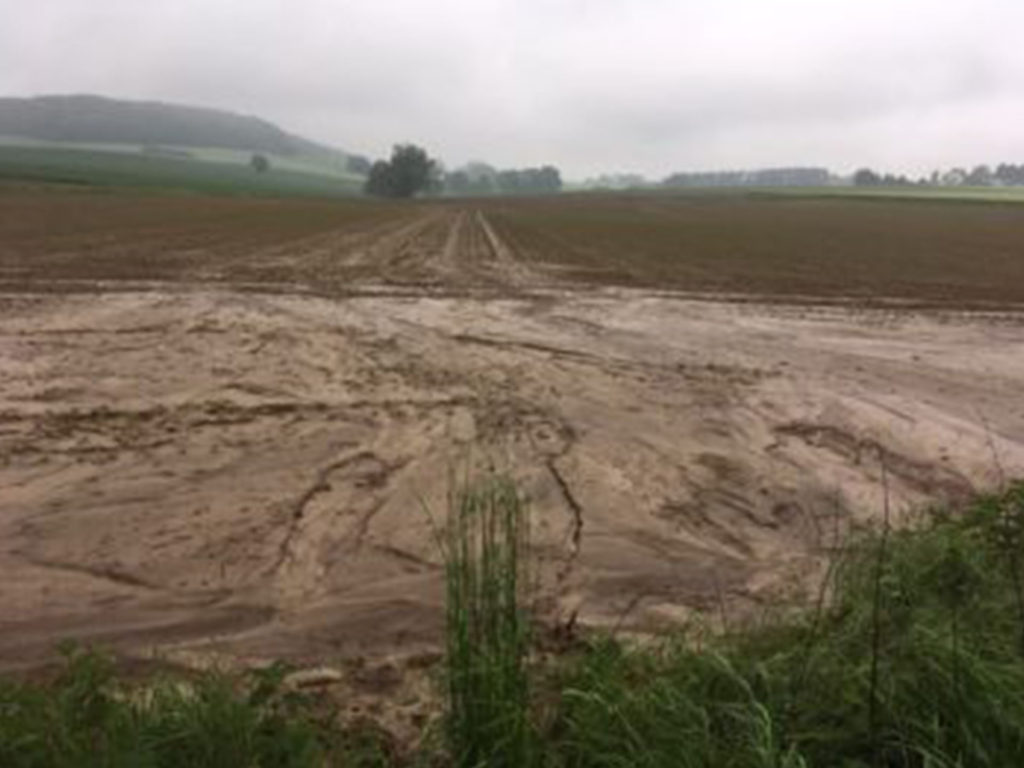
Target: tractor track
264, 410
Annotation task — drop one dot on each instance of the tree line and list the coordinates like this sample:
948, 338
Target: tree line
481, 179
1004, 175
410, 171
768, 177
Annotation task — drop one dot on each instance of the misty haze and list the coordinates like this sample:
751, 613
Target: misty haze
512, 384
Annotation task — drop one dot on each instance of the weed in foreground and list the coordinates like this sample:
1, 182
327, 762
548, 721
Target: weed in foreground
487, 630
915, 663
88, 718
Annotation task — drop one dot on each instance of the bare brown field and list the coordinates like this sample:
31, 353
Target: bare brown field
941, 253
222, 422
62, 240
775, 246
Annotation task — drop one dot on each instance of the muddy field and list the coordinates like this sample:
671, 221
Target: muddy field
226, 425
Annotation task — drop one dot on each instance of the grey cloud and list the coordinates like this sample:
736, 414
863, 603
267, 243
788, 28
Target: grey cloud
651, 85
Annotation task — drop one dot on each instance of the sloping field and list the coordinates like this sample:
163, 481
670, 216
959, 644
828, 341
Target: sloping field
227, 425
102, 168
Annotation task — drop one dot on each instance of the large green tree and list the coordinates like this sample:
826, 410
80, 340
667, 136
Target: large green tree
409, 171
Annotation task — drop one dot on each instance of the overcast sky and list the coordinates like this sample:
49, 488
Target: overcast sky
590, 85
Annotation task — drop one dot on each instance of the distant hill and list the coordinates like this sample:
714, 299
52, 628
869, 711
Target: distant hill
97, 120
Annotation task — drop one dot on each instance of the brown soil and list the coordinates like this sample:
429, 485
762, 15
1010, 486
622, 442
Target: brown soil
196, 468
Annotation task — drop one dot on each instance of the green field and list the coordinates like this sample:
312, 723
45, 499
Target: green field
91, 167
302, 163
956, 194
910, 193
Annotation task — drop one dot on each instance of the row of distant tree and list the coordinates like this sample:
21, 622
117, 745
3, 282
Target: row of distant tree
768, 177
481, 179
1004, 175
411, 171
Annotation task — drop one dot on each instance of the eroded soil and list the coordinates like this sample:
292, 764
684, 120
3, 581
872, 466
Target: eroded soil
195, 467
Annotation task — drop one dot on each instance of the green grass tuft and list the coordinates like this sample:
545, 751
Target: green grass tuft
88, 718
487, 629
950, 675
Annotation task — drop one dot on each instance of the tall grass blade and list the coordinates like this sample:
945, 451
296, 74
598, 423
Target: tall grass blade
487, 630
